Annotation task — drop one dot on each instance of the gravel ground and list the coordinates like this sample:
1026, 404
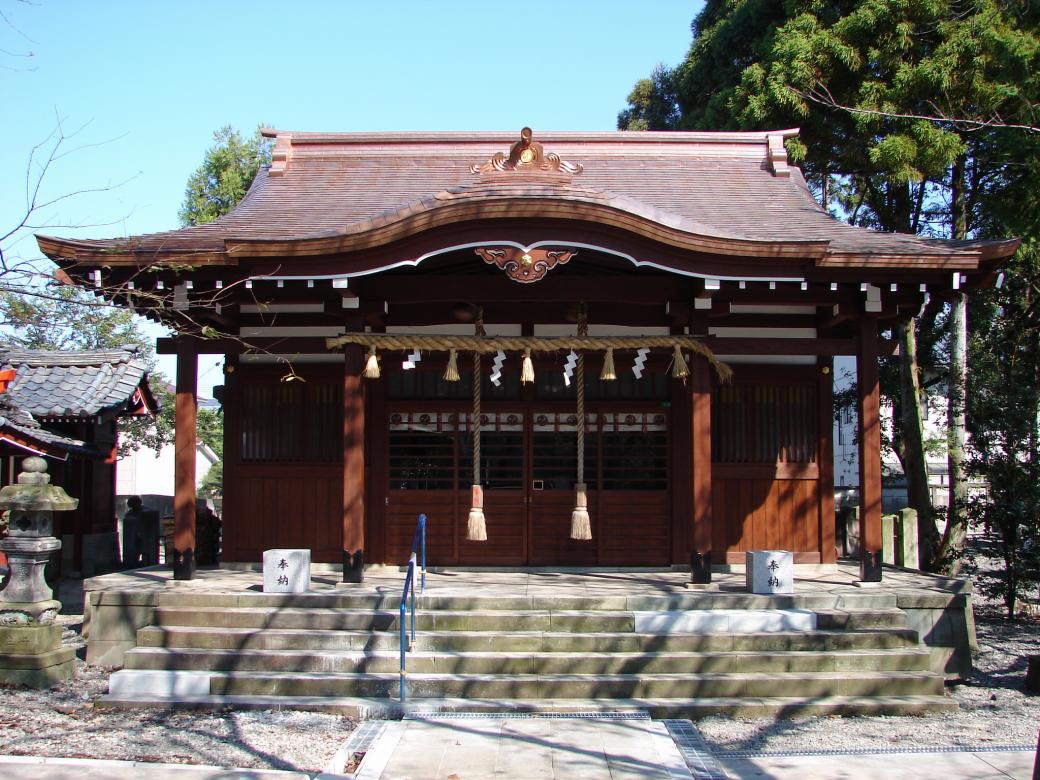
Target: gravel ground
994, 708
62, 722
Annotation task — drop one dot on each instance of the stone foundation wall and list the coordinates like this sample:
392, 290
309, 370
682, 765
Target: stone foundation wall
111, 620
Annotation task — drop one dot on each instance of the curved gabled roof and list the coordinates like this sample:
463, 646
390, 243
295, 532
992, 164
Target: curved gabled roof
53, 384
725, 193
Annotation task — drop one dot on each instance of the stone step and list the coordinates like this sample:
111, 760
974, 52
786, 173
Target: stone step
387, 661
190, 637
659, 686
362, 708
390, 602
857, 619
570, 621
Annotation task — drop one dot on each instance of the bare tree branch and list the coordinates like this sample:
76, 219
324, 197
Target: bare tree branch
821, 95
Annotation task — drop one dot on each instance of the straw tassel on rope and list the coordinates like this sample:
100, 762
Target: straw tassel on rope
527, 369
679, 368
581, 524
608, 374
451, 373
372, 364
476, 527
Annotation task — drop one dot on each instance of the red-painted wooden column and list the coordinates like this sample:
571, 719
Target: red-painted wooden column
185, 412
825, 458
353, 465
869, 397
700, 452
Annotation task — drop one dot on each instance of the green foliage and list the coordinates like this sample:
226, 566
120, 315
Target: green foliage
210, 427
917, 116
652, 103
212, 485
67, 318
1004, 421
224, 177
150, 431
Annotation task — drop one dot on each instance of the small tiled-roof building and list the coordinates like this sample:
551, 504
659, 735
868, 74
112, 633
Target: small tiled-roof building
703, 244
64, 406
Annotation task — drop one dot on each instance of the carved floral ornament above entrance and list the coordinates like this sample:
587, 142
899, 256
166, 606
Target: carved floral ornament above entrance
526, 155
525, 265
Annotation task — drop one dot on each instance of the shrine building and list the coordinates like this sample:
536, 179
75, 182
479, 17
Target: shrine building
603, 349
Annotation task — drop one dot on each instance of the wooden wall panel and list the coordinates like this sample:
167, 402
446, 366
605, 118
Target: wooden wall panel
756, 513
550, 542
402, 514
635, 528
506, 543
270, 507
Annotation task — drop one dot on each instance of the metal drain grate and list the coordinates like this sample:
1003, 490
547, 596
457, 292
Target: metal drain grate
695, 751
360, 740
878, 751
633, 715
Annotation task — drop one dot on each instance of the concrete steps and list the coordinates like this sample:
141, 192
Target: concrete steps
539, 686
189, 637
746, 707
678, 655
467, 662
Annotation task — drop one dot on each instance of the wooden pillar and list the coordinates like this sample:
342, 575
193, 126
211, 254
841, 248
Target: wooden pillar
869, 398
825, 458
700, 478
184, 461
353, 465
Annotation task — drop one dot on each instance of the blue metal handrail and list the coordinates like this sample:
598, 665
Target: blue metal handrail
406, 643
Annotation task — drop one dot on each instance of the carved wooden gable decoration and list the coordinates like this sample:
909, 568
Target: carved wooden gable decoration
526, 155
524, 265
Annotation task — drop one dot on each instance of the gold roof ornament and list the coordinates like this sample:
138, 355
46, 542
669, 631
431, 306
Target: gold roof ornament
526, 155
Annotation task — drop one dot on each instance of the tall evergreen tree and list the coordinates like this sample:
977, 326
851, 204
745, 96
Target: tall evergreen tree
901, 105
226, 173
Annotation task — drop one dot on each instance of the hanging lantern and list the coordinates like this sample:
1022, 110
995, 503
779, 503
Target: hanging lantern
527, 369
679, 367
372, 365
607, 374
451, 373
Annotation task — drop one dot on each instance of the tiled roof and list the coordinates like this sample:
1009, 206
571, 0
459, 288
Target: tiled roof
724, 185
75, 384
19, 425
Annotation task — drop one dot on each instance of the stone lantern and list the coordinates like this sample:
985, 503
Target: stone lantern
30, 651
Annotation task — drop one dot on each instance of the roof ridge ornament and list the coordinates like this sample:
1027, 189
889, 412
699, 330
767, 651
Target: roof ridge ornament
777, 154
526, 155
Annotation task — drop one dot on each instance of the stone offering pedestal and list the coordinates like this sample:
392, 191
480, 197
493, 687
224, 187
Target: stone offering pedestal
770, 571
287, 571
30, 641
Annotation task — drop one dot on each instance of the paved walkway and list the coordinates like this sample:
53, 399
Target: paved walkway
523, 752
543, 748
529, 748
996, 765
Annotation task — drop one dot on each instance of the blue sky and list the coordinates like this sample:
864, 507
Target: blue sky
147, 83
